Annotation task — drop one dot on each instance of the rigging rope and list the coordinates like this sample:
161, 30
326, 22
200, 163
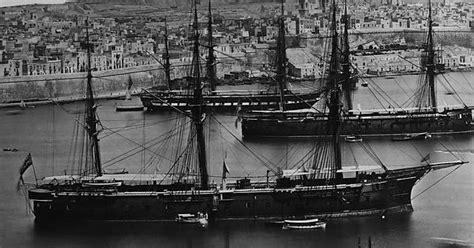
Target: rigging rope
267, 163
460, 100
437, 181
373, 155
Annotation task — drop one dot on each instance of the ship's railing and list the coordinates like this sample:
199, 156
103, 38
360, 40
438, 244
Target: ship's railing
224, 93
286, 115
253, 185
311, 114
408, 110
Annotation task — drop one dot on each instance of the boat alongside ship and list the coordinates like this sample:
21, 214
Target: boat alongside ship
303, 224
319, 188
199, 218
424, 116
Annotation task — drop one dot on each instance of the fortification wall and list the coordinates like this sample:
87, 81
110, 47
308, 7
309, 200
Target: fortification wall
105, 83
73, 86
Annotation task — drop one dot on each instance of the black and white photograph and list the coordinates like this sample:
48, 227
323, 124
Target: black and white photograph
237, 123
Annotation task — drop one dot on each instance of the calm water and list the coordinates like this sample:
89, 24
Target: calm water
446, 210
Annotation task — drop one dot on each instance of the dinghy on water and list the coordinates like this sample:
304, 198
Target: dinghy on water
415, 136
128, 108
199, 218
353, 138
303, 224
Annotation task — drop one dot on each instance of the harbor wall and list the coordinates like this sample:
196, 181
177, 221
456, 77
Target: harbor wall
73, 86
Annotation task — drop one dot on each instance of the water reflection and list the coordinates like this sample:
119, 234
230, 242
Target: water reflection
227, 233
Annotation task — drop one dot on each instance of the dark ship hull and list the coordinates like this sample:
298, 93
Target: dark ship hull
375, 194
375, 123
165, 100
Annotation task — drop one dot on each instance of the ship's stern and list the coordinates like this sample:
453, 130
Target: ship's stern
41, 201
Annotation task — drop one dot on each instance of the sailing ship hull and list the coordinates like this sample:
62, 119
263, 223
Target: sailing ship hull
312, 124
372, 196
157, 101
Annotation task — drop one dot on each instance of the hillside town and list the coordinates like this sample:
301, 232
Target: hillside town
50, 39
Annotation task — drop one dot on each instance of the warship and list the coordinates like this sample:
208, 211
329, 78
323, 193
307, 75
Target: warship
170, 96
320, 186
424, 116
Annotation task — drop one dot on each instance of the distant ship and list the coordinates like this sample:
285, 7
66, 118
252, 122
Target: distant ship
159, 97
426, 116
318, 188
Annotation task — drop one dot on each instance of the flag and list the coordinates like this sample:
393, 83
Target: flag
237, 120
26, 164
225, 170
130, 83
426, 158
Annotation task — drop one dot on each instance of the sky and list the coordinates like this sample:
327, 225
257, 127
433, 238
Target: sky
4, 3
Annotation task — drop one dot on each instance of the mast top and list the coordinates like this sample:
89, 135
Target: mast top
282, 8
197, 108
211, 59
281, 59
430, 63
91, 119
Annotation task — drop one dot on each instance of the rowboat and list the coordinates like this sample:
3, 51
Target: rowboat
303, 224
187, 218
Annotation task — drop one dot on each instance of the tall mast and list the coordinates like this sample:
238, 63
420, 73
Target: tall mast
167, 64
211, 60
430, 64
281, 59
334, 93
197, 109
91, 108
346, 64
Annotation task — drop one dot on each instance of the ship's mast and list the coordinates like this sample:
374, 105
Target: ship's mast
197, 109
430, 64
334, 93
281, 58
167, 65
91, 108
211, 60
346, 64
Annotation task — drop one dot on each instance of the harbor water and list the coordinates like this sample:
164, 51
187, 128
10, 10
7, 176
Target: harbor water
443, 200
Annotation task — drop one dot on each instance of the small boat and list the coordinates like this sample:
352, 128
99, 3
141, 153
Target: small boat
303, 224
449, 93
353, 138
102, 184
9, 149
198, 218
415, 136
128, 108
